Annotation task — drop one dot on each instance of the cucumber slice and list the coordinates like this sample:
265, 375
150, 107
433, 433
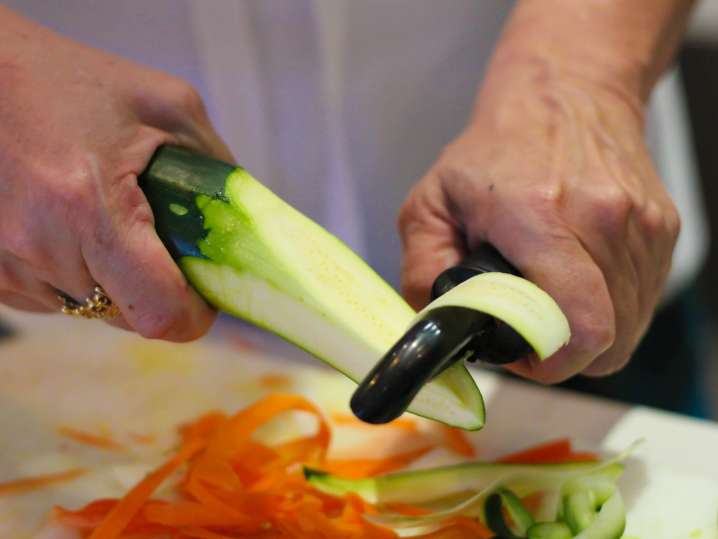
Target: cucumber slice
549, 508
495, 517
254, 256
521, 519
549, 530
601, 487
579, 510
610, 522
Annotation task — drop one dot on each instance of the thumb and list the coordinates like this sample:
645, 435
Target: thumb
431, 243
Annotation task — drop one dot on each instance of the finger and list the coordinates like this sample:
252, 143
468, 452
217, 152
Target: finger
205, 140
24, 303
555, 260
431, 243
119, 322
70, 277
126, 256
17, 278
176, 108
603, 230
636, 301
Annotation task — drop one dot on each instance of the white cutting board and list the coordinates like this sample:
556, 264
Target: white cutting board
63, 372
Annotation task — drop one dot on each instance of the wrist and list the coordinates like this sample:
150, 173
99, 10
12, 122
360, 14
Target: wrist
620, 45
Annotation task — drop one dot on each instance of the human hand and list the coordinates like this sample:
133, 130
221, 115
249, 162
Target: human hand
77, 126
553, 171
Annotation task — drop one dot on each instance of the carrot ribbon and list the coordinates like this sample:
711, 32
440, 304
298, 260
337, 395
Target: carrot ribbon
233, 485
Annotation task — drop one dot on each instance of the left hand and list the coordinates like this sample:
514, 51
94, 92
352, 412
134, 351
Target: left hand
553, 170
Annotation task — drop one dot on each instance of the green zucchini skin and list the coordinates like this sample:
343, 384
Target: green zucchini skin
174, 178
549, 530
495, 518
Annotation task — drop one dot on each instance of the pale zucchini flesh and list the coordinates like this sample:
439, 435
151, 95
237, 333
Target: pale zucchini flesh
266, 262
529, 310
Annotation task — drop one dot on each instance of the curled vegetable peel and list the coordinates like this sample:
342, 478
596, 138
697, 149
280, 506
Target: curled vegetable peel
233, 484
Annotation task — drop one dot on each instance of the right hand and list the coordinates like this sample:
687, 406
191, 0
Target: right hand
77, 126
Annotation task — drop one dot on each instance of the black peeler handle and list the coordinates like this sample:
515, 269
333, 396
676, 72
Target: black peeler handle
439, 339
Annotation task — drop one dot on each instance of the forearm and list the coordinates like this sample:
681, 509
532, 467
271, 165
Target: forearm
624, 43
20, 37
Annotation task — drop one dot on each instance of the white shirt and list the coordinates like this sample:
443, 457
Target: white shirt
340, 106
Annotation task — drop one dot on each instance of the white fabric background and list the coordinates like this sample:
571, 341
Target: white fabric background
340, 106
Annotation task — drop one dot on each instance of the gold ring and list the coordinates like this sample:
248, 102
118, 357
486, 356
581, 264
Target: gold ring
97, 306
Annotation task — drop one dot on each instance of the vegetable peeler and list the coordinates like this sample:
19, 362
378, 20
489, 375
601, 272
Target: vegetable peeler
437, 340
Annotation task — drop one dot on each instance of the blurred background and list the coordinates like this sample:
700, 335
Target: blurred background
698, 63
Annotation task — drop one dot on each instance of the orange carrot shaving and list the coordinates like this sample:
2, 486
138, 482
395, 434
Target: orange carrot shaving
553, 452
532, 501
457, 442
144, 439
200, 533
26, 484
583, 456
274, 381
121, 514
233, 485
95, 440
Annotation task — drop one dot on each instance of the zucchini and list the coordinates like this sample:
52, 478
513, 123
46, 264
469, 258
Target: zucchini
495, 517
579, 510
425, 486
466, 489
549, 530
252, 255
521, 519
609, 523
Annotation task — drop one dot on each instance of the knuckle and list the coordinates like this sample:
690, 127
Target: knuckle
610, 208
652, 219
187, 98
70, 192
546, 199
660, 221
595, 334
131, 202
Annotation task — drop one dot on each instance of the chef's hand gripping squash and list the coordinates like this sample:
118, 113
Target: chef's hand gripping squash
250, 254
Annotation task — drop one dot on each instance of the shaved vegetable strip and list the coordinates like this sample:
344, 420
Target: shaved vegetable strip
26, 484
95, 440
553, 452
233, 485
121, 514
